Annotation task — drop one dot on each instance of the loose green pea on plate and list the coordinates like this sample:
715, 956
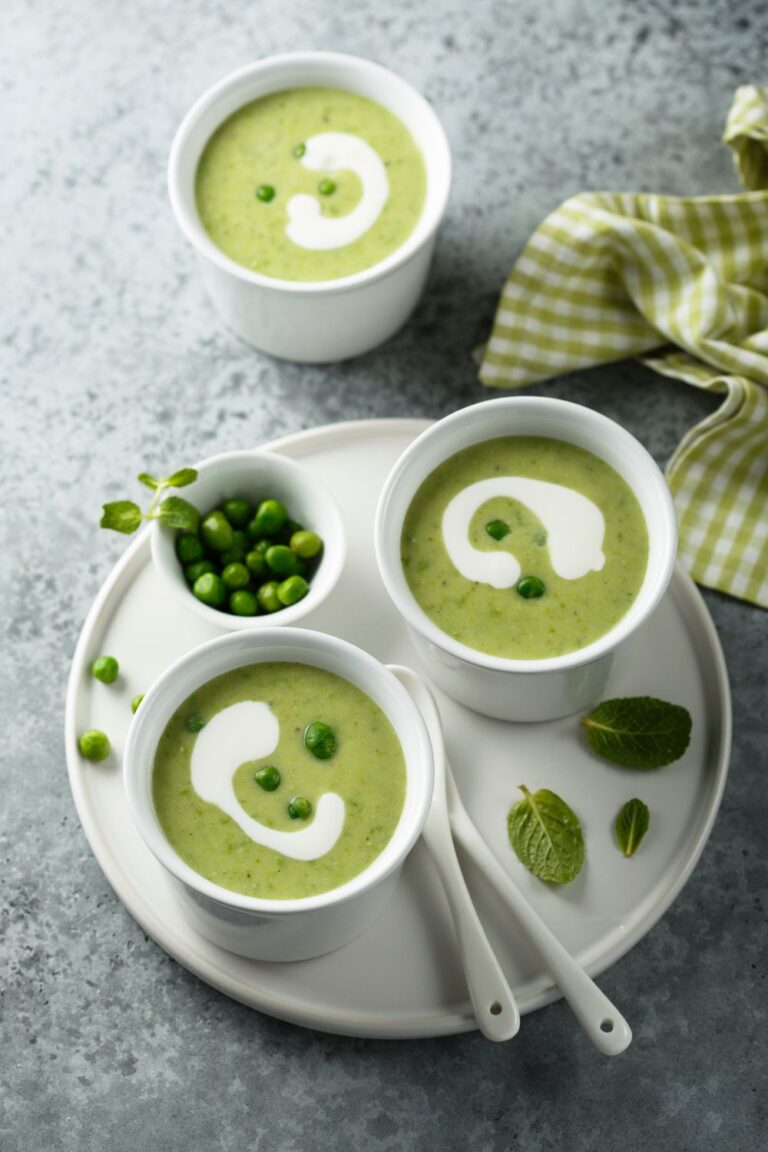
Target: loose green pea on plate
105, 669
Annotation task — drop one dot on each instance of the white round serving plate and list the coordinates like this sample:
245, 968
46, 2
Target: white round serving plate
403, 977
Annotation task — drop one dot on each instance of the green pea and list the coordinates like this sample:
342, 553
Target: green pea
236, 576
270, 517
264, 546
217, 531
241, 540
267, 777
195, 722
94, 745
299, 808
320, 740
267, 597
199, 568
326, 187
136, 701
255, 563
231, 556
210, 589
265, 193
105, 669
238, 512
189, 548
497, 529
292, 590
299, 151
306, 544
243, 602
530, 587
281, 560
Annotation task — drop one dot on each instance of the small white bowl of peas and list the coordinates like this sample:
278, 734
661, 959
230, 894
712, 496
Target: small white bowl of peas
268, 548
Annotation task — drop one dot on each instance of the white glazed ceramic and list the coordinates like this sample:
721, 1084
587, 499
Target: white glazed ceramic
256, 476
524, 689
403, 977
600, 1019
280, 929
316, 321
496, 1010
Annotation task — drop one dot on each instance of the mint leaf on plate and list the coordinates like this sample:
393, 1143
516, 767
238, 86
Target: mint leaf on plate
546, 836
631, 826
638, 731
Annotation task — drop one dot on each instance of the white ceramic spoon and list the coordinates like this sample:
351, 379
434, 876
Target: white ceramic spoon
603, 1023
494, 1005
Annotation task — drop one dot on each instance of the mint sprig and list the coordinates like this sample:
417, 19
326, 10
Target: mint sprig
125, 516
546, 836
638, 731
631, 825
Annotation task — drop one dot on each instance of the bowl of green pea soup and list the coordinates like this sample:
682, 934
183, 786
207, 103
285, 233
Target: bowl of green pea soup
266, 548
280, 778
524, 540
311, 186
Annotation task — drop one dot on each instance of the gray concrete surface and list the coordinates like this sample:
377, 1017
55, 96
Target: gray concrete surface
112, 360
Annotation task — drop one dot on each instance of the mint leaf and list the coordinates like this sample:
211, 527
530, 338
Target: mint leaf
638, 731
177, 513
546, 836
121, 516
181, 478
125, 516
150, 481
631, 825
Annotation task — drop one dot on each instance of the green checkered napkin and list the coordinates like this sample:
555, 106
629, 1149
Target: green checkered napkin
610, 275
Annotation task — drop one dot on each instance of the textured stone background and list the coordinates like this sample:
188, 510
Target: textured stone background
111, 359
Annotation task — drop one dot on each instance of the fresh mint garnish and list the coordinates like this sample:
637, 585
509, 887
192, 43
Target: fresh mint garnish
546, 836
638, 731
126, 516
180, 479
121, 516
631, 825
177, 513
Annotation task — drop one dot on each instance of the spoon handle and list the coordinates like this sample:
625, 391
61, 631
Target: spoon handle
494, 1005
603, 1023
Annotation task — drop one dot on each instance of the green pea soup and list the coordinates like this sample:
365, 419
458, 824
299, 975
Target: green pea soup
543, 615
367, 770
252, 167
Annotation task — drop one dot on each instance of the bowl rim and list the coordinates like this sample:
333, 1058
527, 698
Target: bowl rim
192, 227
414, 615
135, 769
334, 551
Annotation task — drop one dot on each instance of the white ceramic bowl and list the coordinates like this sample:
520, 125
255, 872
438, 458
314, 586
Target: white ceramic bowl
256, 476
316, 321
281, 929
524, 689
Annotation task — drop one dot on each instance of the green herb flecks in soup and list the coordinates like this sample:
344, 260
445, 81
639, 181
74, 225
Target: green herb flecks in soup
248, 801
524, 547
310, 184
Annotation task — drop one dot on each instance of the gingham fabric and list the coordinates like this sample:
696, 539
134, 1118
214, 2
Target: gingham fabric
612, 275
